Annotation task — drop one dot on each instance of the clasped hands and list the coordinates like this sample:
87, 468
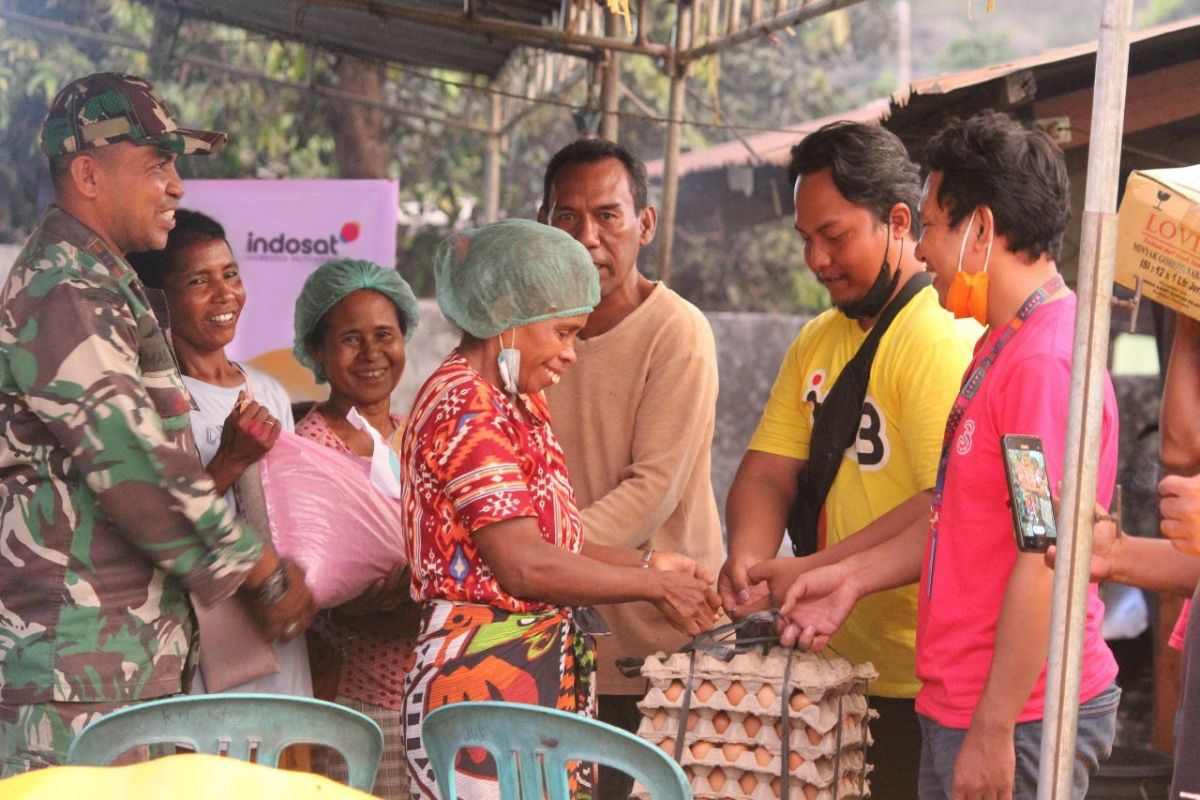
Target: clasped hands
686, 599
813, 601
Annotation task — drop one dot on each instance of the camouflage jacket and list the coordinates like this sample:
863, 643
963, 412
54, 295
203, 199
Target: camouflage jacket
106, 517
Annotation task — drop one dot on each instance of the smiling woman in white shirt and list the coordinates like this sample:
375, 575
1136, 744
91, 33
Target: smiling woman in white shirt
237, 414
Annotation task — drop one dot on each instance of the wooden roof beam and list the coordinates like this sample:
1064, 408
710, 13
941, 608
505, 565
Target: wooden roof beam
581, 45
766, 27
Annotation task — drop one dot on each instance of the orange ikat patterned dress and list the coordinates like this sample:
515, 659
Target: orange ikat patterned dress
467, 461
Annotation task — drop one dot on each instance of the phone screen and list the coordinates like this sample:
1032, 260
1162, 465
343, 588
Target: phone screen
1029, 493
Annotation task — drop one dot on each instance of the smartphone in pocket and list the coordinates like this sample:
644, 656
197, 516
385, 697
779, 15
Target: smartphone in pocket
1029, 493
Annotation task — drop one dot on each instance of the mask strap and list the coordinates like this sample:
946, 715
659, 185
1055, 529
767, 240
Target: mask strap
962, 248
987, 253
887, 247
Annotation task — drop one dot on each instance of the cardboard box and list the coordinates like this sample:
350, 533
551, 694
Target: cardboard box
1158, 237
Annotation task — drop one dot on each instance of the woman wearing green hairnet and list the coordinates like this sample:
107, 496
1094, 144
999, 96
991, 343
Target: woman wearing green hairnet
494, 536
352, 318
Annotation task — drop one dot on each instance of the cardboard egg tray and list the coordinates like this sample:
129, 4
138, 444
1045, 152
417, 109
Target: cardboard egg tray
809, 726
719, 782
732, 733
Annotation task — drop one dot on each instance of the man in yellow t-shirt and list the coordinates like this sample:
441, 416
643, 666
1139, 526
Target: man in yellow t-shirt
856, 193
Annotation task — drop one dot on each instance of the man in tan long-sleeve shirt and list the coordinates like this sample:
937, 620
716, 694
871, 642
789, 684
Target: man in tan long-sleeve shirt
635, 415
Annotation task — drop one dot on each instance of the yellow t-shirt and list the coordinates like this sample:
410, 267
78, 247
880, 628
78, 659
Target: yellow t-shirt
915, 377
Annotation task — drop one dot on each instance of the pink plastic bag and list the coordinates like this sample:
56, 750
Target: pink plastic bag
326, 516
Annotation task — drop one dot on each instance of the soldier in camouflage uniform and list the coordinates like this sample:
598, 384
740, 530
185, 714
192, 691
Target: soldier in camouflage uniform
106, 518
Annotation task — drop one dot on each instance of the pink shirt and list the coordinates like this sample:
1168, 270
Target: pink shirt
1179, 633
1024, 392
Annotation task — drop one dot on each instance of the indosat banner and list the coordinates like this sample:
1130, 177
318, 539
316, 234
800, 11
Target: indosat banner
282, 230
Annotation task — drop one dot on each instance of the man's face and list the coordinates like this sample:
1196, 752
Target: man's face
939, 244
594, 203
138, 191
844, 243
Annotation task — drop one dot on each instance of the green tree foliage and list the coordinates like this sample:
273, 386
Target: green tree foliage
267, 97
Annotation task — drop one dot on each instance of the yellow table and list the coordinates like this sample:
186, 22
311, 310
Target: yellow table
189, 776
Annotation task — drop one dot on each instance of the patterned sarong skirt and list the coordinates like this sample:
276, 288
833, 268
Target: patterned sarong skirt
479, 652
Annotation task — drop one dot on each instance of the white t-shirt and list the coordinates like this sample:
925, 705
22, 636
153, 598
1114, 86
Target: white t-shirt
215, 404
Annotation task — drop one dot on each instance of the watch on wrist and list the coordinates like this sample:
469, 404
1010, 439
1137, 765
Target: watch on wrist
275, 587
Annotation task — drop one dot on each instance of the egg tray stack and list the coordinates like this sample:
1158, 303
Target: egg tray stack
733, 730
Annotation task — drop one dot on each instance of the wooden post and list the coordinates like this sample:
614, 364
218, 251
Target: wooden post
670, 187
610, 82
1085, 405
491, 161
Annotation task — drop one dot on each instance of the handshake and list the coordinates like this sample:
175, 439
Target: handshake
813, 600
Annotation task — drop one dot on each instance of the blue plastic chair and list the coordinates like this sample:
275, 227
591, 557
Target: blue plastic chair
238, 726
532, 745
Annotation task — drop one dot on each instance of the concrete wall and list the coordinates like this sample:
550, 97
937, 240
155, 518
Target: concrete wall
8, 254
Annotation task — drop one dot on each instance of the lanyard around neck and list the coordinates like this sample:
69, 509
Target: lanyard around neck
970, 387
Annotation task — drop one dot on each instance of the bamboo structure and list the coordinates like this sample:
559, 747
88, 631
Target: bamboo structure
1086, 405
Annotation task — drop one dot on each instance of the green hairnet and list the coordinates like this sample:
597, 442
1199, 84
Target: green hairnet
331, 283
512, 273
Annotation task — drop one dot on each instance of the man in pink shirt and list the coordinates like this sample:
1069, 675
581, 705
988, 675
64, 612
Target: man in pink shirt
993, 213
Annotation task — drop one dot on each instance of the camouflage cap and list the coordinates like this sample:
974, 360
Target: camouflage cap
108, 107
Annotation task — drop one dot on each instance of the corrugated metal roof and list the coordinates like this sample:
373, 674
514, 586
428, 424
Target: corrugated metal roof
921, 110
918, 113
773, 147
1170, 36
368, 30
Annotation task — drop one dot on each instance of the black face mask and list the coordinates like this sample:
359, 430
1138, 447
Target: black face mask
873, 302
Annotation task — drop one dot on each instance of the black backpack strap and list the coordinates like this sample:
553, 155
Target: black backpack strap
835, 425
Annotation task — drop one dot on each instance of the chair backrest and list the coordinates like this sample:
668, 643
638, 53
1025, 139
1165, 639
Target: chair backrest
236, 725
532, 745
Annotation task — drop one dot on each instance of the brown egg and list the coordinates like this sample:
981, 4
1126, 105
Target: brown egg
689, 772
674, 690
693, 719
799, 701
705, 690
795, 760
775, 786
720, 721
659, 719
779, 730
766, 696
701, 749
748, 782
813, 735
668, 745
732, 751
751, 725
735, 693
763, 756
716, 779
811, 792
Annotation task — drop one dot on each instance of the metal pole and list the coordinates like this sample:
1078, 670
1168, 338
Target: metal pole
670, 185
1085, 415
610, 84
903, 45
491, 161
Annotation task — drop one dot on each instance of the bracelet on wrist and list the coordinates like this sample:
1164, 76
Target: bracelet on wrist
646, 556
275, 587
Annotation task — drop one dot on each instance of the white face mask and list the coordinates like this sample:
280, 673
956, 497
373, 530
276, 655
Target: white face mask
509, 364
